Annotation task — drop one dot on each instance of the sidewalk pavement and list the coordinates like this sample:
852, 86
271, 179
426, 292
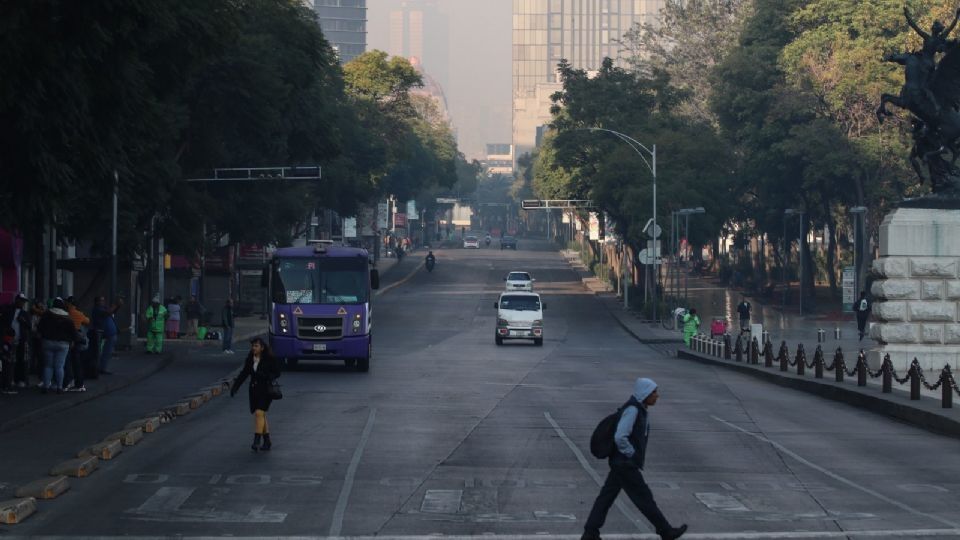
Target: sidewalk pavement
926, 413
131, 367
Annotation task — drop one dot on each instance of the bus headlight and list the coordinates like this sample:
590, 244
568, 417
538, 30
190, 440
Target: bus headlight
284, 323
356, 324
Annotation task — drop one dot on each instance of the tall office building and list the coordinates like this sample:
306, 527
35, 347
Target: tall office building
344, 24
583, 32
418, 29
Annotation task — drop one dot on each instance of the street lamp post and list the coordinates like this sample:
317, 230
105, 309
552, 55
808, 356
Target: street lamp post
639, 148
686, 212
858, 213
791, 212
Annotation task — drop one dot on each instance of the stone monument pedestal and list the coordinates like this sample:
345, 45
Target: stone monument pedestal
916, 311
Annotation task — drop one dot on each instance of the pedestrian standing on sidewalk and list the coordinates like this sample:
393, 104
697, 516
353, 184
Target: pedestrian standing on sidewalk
156, 321
691, 325
22, 325
262, 368
81, 342
226, 320
173, 320
863, 307
743, 310
57, 331
626, 467
194, 311
36, 342
103, 317
7, 353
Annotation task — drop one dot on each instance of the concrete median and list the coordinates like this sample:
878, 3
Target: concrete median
76, 468
194, 402
148, 424
128, 437
44, 488
15, 511
105, 450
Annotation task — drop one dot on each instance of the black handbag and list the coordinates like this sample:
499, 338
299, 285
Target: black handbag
273, 389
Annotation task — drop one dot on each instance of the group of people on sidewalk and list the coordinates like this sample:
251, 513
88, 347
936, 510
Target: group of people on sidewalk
164, 322
56, 342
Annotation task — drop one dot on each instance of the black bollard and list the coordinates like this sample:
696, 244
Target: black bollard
738, 350
768, 354
755, 352
887, 369
946, 387
801, 360
726, 346
784, 360
861, 369
838, 365
818, 363
915, 380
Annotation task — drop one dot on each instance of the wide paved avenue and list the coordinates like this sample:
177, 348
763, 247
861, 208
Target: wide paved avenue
450, 434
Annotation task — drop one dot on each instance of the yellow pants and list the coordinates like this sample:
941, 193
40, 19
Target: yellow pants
260, 425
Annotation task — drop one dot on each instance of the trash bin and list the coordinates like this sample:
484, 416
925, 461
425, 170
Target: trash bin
201, 332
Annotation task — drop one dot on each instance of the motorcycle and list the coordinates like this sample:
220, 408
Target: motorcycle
487, 241
430, 263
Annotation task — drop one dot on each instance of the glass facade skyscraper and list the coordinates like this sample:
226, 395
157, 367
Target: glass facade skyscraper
344, 23
545, 31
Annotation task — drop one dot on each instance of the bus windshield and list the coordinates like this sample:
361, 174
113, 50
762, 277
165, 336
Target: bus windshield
321, 281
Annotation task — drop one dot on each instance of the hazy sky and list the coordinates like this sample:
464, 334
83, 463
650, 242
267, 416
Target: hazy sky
479, 87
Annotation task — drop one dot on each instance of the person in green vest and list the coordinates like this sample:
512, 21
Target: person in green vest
691, 324
156, 320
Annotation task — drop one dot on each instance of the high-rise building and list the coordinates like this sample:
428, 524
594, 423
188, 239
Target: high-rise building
499, 159
344, 24
419, 29
583, 32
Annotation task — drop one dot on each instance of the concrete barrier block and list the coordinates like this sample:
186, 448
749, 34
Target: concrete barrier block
77, 468
214, 390
148, 424
128, 437
178, 409
105, 450
15, 511
44, 488
194, 402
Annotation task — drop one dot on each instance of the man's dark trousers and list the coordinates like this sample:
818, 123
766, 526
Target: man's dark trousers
862, 323
628, 478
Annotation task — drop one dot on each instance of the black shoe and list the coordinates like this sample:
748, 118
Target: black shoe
673, 532
256, 442
590, 536
266, 443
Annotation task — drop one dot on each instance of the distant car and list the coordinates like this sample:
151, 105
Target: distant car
519, 316
508, 242
471, 242
519, 281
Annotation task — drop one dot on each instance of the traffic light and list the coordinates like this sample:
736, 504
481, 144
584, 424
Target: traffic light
529, 204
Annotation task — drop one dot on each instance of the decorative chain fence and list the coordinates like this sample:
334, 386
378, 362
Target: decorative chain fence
751, 351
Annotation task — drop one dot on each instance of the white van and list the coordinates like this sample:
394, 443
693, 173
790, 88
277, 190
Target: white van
519, 316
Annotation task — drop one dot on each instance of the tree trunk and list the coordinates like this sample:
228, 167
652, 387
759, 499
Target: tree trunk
831, 252
809, 283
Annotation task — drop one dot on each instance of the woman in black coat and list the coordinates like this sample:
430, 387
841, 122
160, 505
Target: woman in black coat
261, 367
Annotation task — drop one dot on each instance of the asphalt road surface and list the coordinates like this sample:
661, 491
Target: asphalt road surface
450, 434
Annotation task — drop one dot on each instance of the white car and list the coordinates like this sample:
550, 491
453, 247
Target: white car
519, 316
471, 242
519, 281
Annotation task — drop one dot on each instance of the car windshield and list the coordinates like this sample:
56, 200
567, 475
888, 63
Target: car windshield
471, 239
321, 281
520, 303
518, 276
508, 239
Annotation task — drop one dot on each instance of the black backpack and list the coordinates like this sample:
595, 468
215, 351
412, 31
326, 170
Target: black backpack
602, 444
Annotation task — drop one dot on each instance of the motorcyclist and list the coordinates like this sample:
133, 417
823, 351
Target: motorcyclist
487, 239
430, 258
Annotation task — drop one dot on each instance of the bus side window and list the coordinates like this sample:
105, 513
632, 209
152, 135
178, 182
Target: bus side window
374, 279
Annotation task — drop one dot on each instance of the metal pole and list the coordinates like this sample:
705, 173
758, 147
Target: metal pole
686, 275
656, 268
800, 256
160, 268
783, 264
113, 241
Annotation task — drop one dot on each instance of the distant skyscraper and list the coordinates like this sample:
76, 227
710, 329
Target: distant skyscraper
545, 31
418, 29
344, 23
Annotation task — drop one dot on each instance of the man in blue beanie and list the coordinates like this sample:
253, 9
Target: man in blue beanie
626, 465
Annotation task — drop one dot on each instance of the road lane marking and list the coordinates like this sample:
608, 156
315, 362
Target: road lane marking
441, 501
396, 284
631, 516
336, 525
772, 535
720, 502
166, 500
839, 478
166, 505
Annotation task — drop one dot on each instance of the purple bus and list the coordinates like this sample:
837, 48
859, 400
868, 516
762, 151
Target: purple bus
320, 304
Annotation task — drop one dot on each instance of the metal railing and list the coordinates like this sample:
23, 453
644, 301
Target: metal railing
752, 351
